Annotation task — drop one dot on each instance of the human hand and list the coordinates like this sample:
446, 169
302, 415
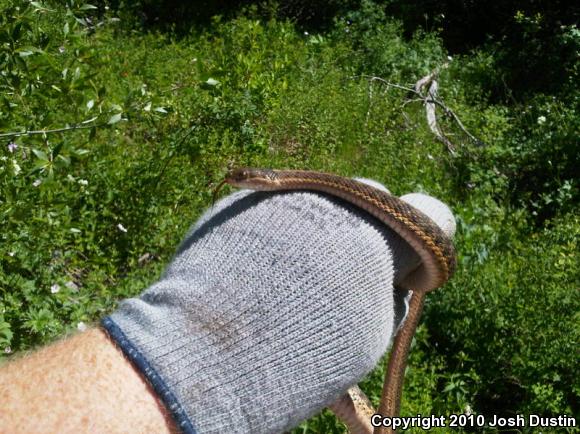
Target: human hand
272, 307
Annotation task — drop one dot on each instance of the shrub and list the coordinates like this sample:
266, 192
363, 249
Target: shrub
534, 43
511, 316
531, 158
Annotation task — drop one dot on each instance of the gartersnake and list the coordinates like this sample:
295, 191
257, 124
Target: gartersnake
438, 263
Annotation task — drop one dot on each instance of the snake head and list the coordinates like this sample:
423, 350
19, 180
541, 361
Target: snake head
255, 179
239, 175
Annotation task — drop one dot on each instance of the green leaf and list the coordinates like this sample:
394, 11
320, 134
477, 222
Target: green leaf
5, 332
16, 32
64, 160
41, 155
115, 118
88, 121
57, 149
40, 7
66, 29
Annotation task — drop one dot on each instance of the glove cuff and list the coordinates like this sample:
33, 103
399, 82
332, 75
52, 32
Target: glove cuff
151, 375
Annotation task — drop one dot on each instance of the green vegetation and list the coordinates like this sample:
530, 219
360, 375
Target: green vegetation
152, 119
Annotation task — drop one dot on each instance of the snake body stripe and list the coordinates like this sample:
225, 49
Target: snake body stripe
435, 249
383, 206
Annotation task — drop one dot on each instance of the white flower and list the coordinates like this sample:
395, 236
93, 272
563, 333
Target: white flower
449, 58
306, 33
70, 178
121, 228
83, 182
81, 326
71, 285
541, 120
468, 409
54, 288
7, 350
11, 254
37, 182
17, 168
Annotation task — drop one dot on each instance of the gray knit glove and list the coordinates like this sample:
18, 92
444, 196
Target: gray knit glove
273, 306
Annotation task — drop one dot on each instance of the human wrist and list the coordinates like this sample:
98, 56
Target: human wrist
79, 384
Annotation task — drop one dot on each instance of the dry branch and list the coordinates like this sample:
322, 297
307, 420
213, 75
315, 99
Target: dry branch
430, 110
431, 101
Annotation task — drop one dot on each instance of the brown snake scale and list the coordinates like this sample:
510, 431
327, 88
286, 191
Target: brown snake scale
438, 264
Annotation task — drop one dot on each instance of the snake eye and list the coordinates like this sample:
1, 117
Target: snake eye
243, 174
238, 175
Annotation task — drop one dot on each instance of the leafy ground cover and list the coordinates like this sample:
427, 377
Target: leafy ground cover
146, 123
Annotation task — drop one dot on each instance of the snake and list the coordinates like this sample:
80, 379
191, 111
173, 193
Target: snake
438, 263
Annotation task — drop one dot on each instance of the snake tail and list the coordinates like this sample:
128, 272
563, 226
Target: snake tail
395, 377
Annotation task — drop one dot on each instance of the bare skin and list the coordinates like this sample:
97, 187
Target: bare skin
80, 384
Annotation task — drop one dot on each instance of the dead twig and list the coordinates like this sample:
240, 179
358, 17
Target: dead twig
431, 100
432, 115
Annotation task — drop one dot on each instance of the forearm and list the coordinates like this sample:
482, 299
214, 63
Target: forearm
81, 384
